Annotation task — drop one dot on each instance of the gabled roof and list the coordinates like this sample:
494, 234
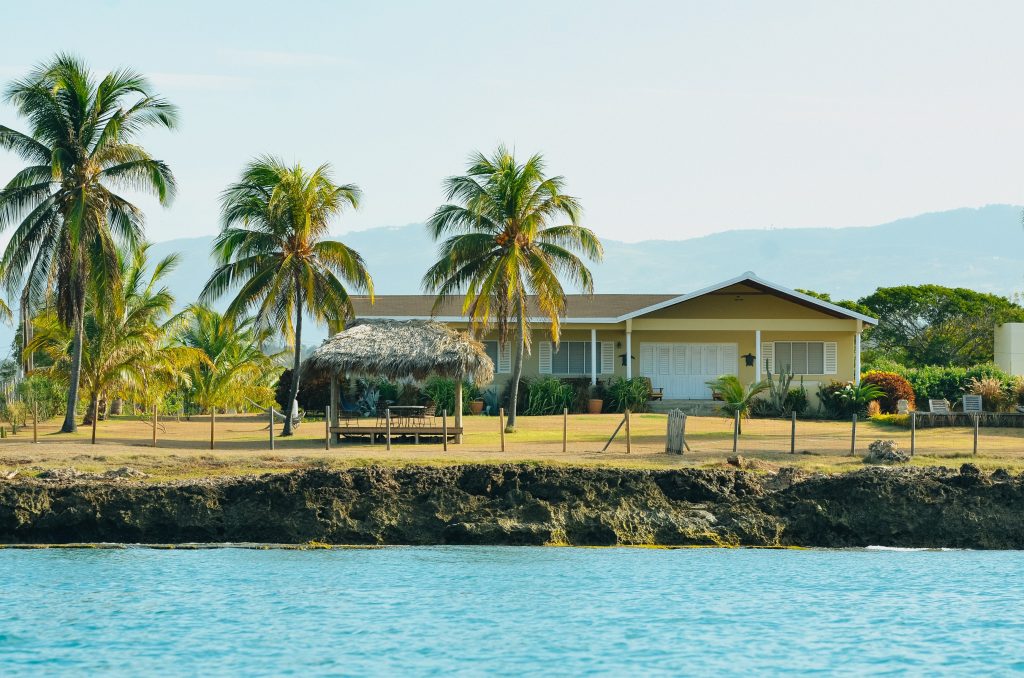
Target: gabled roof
750, 278
585, 308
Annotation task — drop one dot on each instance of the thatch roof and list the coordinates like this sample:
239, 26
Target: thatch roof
402, 349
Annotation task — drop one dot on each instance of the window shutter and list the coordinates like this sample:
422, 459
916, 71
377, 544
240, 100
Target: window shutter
831, 357
505, 358
646, 360
767, 358
544, 354
607, 357
730, 359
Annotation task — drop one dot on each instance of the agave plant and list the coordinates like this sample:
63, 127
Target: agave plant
737, 398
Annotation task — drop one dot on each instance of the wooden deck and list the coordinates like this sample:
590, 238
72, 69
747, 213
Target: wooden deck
373, 430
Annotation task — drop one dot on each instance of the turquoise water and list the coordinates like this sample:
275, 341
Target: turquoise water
482, 610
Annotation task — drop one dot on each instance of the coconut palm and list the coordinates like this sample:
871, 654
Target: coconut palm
125, 330
503, 247
67, 213
234, 369
273, 246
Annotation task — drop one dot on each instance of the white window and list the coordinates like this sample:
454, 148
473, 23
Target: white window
572, 357
800, 357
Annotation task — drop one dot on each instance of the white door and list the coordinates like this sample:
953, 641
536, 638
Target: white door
683, 370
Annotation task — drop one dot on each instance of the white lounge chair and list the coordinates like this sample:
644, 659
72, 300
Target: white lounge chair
938, 406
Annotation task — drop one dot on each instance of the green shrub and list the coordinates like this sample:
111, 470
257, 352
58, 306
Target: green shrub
949, 383
48, 394
894, 386
629, 394
796, 400
441, 392
549, 395
831, 404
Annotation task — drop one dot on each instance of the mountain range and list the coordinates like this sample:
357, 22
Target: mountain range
980, 248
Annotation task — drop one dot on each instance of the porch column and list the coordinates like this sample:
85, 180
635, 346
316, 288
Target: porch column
629, 349
335, 402
757, 355
593, 357
856, 358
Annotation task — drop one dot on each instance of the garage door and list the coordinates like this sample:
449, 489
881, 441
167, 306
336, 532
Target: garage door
682, 370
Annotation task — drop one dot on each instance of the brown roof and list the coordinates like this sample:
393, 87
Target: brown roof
577, 305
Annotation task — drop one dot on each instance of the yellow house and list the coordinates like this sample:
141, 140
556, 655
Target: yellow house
746, 326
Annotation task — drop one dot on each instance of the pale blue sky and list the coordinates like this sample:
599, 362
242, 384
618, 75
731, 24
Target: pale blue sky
669, 119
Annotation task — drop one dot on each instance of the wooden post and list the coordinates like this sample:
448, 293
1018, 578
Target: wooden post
913, 433
736, 432
458, 411
387, 421
975, 435
213, 423
629, 439
156, 420
501, 426
327, 429
35, 426
675, 438
444, 430
792, 435
853, 436
271, 425
565, 428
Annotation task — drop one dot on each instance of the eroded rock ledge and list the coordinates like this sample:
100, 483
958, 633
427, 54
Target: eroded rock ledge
524, 504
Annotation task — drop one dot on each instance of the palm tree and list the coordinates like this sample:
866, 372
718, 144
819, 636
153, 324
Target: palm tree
273, 245
234, 369
736, 397
69, 218
502, 248
125, 327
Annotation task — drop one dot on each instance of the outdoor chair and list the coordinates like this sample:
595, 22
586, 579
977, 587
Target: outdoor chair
425, 417
653, 393
972, 404
939, 406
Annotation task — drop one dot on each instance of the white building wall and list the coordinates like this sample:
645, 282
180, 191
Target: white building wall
1009, 347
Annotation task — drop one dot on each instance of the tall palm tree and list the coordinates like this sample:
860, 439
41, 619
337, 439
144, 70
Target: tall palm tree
68, 216
125, 326
273, 245
503, 247
234, 368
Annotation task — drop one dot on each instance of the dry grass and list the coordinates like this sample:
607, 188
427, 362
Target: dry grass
242, 446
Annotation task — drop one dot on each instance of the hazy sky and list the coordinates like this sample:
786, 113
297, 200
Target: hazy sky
668, 119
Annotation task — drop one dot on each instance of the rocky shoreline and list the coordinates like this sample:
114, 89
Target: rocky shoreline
529, 505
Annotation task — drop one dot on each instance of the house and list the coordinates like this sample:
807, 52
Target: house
745, 326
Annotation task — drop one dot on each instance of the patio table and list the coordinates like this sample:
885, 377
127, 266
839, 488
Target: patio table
404, 413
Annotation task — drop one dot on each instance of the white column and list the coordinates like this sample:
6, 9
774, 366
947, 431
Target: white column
629, 349
757, 355
593, 357
856, 358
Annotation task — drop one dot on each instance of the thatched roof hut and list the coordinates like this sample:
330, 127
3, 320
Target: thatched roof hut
402, 349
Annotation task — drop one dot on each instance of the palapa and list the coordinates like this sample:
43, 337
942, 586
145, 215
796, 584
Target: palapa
402, 349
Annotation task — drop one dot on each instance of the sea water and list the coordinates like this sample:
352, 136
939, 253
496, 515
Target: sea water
513, 611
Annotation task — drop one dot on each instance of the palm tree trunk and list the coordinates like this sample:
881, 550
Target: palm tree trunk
95, 415
293, 389
517, 370
70, 425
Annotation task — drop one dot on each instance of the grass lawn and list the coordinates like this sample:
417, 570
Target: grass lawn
242, 446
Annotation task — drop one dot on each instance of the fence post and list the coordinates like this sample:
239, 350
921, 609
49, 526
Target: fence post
444, 430
387, 416
675, 438
913, 433
327, 427
735, 431
792, 434
629, 440
271, 408
565, 428
853, 436
35, 426
975, 435
501, 426
156, 420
